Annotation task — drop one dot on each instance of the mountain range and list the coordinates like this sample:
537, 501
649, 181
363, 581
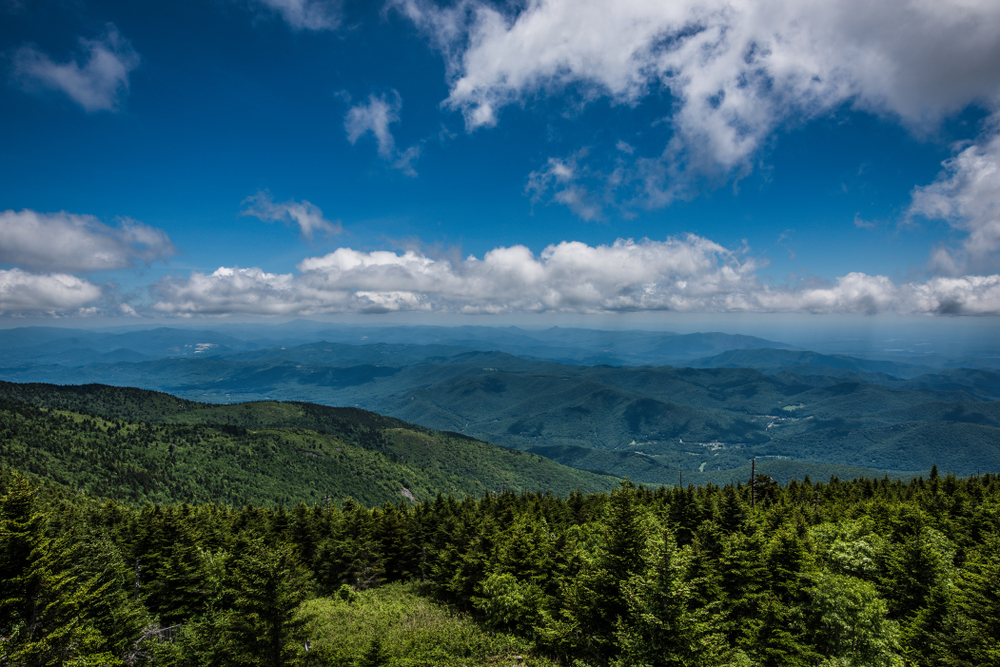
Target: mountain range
703, 417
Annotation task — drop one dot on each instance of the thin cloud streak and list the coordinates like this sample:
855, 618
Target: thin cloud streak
307, 216
306, 14
374, 117
97, 80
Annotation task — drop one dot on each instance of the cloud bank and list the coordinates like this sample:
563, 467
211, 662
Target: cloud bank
97, 79
680, 274
732, 71
77, 243
22, 292
307, 216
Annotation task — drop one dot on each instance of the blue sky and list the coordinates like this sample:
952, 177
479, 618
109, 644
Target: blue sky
507, 161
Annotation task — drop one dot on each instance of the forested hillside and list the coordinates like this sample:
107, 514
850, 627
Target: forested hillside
139, 528
864, 573
648, 422
139, 445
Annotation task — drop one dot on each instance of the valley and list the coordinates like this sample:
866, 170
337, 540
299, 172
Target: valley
797, 412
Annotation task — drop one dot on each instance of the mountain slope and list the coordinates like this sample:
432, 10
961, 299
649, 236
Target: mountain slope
147, 446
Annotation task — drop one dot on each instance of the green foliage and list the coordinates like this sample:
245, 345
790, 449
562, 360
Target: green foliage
507, 603
852, 548
647, 422
263, 588
661, 628
64, 598
848, 623
262, 453
395, 625
874, 572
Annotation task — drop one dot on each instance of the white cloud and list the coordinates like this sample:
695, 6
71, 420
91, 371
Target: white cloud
963, 295
861, 223
96, 80
683, 274
230, 291
565, 178
22, 292
967, 195
404, 161
68, 242
375, 117
735, 70
306, 14
307, 216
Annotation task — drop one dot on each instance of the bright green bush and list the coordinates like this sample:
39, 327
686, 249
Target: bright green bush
395, 626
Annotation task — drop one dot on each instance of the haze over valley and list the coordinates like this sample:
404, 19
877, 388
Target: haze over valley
657, 407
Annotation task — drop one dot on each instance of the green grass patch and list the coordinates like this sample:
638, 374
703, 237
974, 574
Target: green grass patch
396, 626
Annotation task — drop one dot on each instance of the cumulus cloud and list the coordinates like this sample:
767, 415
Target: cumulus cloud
967, 195
306, 14
735, 71
79, 243
96, 79
23, 292
682, 274
375, 117
307, 216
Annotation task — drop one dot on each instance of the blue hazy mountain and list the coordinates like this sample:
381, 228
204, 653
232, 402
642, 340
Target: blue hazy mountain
701, 413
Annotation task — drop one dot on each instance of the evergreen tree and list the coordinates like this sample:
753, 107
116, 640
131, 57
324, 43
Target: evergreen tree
57, 595
973, 637
661, 629
263, 588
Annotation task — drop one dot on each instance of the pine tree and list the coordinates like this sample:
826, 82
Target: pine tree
595, 603
20, 536
974, 631
57, 593
263, 588
661, 629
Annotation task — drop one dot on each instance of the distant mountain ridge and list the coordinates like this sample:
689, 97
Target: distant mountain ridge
770, 360
45, 345
672, 416
711, 414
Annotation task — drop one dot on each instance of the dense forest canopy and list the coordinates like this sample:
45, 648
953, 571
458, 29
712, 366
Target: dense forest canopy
168, 570
867, 572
